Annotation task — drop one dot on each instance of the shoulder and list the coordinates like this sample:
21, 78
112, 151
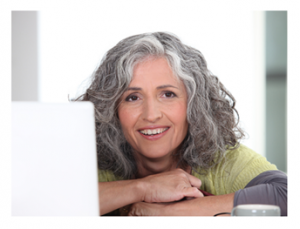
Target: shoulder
244, 158
246, 165
235, 170
106, 175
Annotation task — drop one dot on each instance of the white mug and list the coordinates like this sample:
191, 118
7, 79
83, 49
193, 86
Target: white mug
256, 210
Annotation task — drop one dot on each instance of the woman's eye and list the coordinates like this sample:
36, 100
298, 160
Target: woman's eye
131, 98
169, 94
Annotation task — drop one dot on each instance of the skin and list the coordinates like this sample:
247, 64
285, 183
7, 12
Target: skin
207, 206
158, 188
156, 98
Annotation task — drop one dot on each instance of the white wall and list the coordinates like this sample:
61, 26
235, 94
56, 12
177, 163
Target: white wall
73, 42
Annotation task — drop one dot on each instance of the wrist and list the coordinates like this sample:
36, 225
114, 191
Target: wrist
141, 187
169, 209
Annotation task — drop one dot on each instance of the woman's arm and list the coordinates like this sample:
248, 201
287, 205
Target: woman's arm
207, 206
269, 187
116, 194
164, 187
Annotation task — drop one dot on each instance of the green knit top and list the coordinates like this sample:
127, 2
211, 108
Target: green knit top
237, 168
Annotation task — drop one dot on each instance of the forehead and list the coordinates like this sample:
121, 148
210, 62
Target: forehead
156, 71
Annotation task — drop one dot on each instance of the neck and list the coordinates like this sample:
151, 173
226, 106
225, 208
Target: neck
150, 166
146, 168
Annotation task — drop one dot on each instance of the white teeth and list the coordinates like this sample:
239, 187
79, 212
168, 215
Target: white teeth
154, 131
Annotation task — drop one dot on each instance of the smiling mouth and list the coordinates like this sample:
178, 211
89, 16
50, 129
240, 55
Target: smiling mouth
152, 132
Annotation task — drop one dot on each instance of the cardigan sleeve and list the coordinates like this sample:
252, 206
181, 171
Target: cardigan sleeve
269, 187
106, 176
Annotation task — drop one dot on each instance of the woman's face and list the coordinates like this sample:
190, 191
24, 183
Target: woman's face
152, 111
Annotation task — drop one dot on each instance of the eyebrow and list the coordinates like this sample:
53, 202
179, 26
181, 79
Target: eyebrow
167, 85
159, 87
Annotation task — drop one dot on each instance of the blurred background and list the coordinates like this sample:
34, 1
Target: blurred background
54, 53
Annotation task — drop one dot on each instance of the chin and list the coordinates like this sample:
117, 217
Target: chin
155, 153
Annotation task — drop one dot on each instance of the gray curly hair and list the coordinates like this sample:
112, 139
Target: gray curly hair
213, 128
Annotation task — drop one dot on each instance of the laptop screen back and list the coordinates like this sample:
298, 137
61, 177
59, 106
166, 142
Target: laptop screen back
54, 162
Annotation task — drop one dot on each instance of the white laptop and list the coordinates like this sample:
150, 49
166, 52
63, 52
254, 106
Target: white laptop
54, 162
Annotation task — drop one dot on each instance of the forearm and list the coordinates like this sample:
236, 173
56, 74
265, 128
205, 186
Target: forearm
159, 188
203, 206
116, 194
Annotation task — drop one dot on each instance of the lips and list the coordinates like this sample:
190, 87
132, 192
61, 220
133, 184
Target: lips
153, 133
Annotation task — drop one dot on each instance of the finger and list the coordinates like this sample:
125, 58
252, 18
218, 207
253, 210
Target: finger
192, 192
132, 211
194, 181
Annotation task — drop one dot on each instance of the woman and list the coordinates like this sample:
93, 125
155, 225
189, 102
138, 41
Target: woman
166, 128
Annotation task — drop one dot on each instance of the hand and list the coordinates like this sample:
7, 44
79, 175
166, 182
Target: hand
170, 186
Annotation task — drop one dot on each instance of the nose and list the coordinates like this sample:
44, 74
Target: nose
152, 111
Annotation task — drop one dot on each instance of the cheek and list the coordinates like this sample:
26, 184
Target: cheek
182, 121
128, 118
179, 116
182, 124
